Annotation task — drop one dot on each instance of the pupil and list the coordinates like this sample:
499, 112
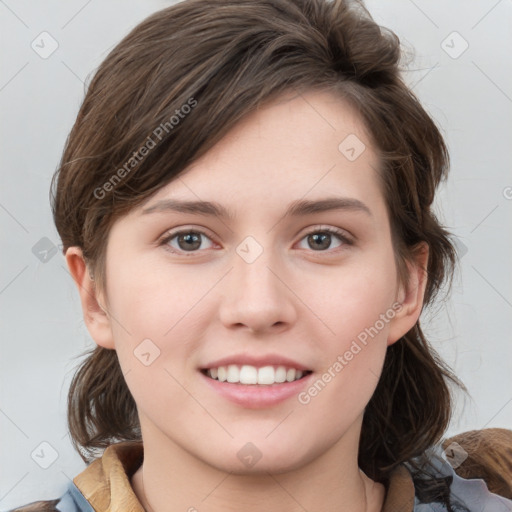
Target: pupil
324, 236
191, 238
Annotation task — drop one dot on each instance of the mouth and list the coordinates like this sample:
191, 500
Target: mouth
255, 376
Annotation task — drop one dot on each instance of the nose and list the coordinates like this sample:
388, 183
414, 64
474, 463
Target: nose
257, 295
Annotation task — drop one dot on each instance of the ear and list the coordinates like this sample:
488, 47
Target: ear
410, 295
96, 316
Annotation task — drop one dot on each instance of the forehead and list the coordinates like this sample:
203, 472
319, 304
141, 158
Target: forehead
295, 146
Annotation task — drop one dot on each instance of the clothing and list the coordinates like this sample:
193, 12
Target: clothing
481, 482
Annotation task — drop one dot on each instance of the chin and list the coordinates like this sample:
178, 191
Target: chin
261, 459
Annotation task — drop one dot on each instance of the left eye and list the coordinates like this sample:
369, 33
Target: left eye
323, 238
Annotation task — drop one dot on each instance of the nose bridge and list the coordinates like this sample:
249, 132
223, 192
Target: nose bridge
257, 296
252, 271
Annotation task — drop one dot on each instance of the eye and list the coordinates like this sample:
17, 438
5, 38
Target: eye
191, 240
187, 240
321, 238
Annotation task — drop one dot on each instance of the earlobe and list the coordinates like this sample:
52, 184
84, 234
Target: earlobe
96, 316
410, 296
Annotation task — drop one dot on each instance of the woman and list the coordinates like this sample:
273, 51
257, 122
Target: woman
244, 203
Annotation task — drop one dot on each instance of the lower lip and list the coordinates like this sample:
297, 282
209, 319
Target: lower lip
254, 396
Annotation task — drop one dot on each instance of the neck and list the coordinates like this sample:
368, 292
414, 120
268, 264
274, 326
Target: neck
173, 479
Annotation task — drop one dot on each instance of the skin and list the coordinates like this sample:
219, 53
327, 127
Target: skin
296, 299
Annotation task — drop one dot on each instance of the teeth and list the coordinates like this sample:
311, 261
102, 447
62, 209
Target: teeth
266, 375
221, 373
233, 373
248, 374
280, 374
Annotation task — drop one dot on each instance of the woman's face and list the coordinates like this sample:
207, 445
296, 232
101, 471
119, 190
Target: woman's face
286, 282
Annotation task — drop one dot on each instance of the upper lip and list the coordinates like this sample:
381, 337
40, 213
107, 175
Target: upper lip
258, 361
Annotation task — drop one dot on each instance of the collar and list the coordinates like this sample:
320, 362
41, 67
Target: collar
105, 483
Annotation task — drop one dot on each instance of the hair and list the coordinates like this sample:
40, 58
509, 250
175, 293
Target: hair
224, 59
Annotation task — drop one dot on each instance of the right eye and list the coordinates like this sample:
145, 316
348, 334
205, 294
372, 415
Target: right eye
184, 241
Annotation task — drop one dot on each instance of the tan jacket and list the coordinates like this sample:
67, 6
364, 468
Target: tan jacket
105, 483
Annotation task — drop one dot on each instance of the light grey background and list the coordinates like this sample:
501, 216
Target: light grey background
469, 94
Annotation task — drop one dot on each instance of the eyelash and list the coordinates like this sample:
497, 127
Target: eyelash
332, 231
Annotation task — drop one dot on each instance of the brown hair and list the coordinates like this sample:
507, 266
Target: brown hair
224, 58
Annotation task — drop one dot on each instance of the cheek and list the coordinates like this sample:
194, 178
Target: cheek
151, 302
339, 395
153, 340
359, 301
359, 317
159, 324
358, 313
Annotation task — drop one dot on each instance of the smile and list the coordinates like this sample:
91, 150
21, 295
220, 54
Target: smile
251, 375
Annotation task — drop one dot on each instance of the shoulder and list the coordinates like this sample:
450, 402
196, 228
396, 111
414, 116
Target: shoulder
72, 501
38, 506
469, 472
484, 454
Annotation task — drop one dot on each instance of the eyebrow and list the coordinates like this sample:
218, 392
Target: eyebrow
297, 208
